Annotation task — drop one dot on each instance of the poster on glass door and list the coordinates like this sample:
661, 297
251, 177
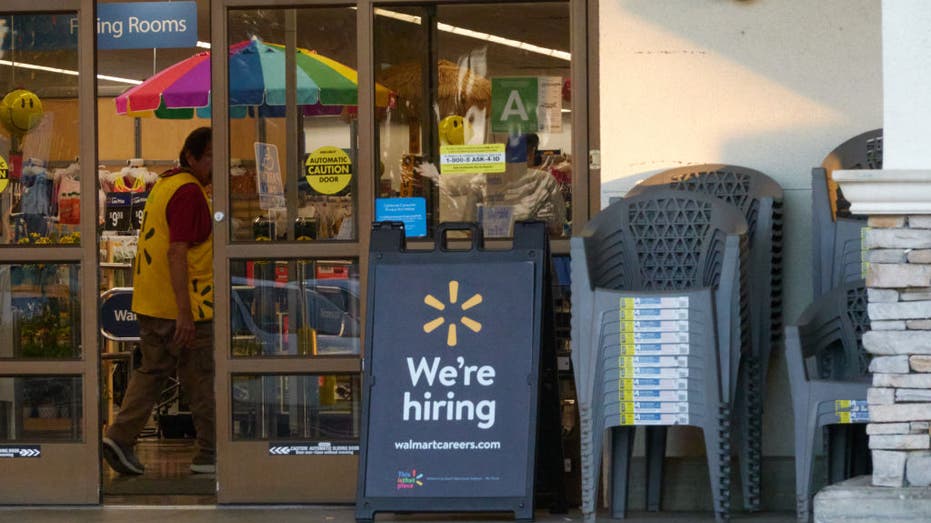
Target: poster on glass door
269, 184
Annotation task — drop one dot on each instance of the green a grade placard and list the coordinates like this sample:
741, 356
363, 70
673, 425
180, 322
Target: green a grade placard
514, 105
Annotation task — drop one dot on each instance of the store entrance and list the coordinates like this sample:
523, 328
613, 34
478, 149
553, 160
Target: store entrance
313, 140
287, 253
165, 444
137, 144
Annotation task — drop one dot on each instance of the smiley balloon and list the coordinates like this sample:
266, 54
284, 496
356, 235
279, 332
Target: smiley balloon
452, 130
20, 111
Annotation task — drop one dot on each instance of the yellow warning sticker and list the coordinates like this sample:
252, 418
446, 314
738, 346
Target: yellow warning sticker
328, 169
4, 174
472, 159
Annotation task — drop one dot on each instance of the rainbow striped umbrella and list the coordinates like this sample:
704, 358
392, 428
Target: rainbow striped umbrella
257, 84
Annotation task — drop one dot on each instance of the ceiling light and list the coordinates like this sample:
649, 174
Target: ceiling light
69, 72
478, 35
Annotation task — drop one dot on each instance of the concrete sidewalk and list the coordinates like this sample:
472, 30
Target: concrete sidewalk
322, 514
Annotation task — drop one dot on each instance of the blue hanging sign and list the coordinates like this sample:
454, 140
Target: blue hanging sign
140, 25
146, 25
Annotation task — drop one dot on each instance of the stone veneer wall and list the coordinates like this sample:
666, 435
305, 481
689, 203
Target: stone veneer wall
899, 288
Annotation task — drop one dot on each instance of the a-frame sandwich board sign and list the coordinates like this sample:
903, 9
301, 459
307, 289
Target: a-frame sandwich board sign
451, 373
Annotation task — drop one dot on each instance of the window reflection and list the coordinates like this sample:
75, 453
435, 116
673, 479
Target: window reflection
315, 407
39, 139
481, 130
40, 408
295, 308
306, 190
42, 315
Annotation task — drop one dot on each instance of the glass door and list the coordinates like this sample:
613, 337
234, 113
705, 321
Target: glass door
287, 196
327, 116
149, 406
484, 125
48, 362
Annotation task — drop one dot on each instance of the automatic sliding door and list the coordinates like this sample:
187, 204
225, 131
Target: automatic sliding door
288, 259
48, 379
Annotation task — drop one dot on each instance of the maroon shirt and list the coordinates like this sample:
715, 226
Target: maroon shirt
188, 215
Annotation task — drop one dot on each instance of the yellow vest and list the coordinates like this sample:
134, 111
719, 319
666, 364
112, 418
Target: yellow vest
152, 294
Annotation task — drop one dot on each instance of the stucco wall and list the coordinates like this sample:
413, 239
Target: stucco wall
769, 84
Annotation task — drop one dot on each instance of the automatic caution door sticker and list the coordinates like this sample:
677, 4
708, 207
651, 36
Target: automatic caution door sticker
320, 448
328, 169
4, 174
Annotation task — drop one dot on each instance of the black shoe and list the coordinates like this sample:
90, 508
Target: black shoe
204, 463
121, 459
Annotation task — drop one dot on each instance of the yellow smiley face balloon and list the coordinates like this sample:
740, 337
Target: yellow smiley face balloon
452, 130
20, 111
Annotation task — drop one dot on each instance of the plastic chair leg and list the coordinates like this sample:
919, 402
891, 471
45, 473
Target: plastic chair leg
839, 452
590, 461
622, 445
656, 453
718, 449
748, 423
805, 437
862, 458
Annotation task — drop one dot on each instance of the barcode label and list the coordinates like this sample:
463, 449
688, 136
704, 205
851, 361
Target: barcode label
631, 418
667, 302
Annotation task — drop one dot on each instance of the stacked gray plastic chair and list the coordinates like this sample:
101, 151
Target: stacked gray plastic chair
836, 253
760, 199
657, 319
827, 375
837, 258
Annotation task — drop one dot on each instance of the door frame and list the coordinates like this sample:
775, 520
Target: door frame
66, 472
332, 478
70, 473
300, 479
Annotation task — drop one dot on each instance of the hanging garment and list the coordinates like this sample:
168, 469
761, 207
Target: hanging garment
136, 184
37, 194
69, 200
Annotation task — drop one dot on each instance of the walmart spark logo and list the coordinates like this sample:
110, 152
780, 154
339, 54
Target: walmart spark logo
432, 325
409, 480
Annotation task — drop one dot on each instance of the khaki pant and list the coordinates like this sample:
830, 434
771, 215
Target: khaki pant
160, 358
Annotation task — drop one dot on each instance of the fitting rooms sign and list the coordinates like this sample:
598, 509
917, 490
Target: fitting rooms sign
146, 25
137, 25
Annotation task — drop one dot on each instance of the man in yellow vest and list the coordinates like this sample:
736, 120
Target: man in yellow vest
176, 328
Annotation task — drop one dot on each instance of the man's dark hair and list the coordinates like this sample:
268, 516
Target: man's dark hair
196, 144
533, 140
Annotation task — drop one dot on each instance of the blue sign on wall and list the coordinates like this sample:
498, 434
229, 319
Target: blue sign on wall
142, 25
411, 211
